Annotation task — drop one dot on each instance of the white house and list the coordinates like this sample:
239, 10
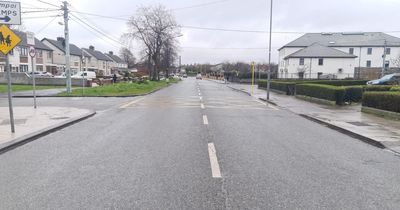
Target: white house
118, 64
58, 47
20, 61
367, 50
98, 62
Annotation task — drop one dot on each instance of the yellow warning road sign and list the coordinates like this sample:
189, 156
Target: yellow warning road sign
8, 39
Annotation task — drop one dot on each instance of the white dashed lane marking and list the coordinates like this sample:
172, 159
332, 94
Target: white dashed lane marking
215, 170
205, 120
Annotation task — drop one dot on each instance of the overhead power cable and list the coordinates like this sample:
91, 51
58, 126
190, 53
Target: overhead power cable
44, 2
45, 26
199, 5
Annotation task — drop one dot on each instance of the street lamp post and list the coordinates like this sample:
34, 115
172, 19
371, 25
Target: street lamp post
269, 51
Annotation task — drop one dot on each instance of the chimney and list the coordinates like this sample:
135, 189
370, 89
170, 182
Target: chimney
111, 53
91, 47
60, 39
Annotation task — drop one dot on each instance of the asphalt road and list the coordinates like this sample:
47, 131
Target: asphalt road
195, 145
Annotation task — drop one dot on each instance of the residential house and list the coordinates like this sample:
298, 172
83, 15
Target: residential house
309, 56
98, 62
19, 58
58, 47
118, 64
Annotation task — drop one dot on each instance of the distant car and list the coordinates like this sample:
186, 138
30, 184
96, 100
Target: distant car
390, 79
185, 76
42, 74
198, 76
85, 74
63, 75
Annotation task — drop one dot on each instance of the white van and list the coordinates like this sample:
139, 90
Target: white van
85, 74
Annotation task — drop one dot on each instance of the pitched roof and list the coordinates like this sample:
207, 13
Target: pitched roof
97, 54
319, 51
38, 44
73, 49
116, 58
369, 39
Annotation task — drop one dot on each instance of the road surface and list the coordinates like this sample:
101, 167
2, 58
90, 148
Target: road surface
195, 145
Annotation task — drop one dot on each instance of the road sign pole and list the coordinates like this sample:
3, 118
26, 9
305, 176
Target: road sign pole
34, 84
269, 52
9, 91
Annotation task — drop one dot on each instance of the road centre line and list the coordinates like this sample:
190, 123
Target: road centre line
212, 153
205, 120
131, 103
201, 98
202, 106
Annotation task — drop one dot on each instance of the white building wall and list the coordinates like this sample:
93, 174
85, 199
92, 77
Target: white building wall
330, 66
282, 69
375, 57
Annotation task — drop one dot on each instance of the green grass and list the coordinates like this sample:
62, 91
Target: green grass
15, 88
120, 89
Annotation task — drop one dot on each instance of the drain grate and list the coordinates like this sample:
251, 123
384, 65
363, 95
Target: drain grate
16, 122
59, 118
359, 123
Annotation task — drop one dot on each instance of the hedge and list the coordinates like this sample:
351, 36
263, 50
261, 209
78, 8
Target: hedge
328, 82
287, 87
389, 101
377, 88
326, 92
395, 88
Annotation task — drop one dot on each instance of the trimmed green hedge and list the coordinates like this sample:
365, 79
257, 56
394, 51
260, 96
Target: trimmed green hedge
389, 101
326, 92
287, 87
338, 82
377, 88
395, 88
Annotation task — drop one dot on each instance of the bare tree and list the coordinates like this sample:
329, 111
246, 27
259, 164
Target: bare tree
168, 56
127, 56
154, 27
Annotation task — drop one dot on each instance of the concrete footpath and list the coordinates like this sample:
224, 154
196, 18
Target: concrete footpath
39, 93
31, 124
374, 130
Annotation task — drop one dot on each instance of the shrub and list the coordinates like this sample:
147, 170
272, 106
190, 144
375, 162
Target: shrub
326, 92
337, 82
389, 101
377, 88
395, 88
287, 87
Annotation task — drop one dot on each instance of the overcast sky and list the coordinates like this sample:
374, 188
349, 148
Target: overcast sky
205, 46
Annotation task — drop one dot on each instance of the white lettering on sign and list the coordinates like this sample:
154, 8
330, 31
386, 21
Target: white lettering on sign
10, 13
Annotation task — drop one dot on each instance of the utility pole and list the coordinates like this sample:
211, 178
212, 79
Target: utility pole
9, 91
67, 52
269, 51
384, 59
180, 64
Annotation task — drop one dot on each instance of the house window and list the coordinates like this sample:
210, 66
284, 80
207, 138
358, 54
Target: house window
388, 51
39, 53
369, 52
320, 61
24, 51
368, 64
387, 63
301, 62
340, 70
351, 51
49, 54
23, 68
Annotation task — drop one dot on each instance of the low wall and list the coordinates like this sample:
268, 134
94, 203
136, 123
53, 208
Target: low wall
25, 79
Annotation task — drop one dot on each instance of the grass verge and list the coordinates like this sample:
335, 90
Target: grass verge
16, 88
120, 89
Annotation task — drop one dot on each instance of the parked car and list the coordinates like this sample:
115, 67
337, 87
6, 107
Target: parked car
185, 76
390, 79
198, 76
42, 74
86, 74
63, 75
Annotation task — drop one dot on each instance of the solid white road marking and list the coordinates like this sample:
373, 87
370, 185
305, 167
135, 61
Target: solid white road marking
205, 120
202, 106
199, 94
130, 103
201, 98
215, 170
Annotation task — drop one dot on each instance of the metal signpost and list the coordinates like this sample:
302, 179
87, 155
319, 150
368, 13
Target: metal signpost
32, 53
10, 14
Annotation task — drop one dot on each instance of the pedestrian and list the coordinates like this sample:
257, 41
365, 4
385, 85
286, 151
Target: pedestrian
114, 78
